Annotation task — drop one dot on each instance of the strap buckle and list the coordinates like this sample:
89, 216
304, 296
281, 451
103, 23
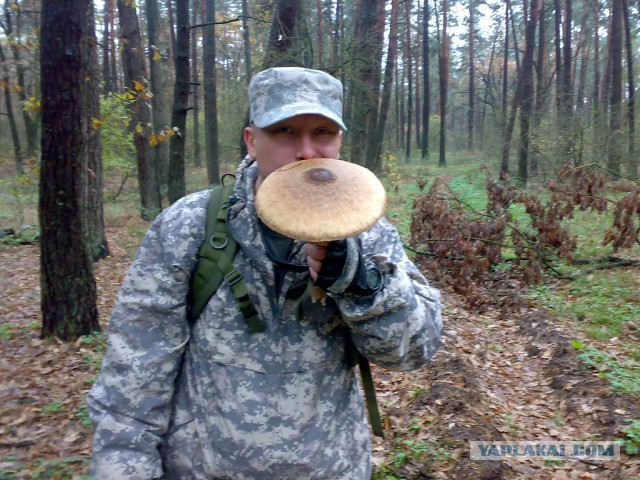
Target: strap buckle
218, 246
232, 277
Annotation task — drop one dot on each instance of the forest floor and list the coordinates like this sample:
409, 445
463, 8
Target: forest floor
502, 375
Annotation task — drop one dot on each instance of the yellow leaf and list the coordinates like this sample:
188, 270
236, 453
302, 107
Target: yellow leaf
156, 54
153, 140
15, 6
18, 88
138, 86
96, 123
139, 129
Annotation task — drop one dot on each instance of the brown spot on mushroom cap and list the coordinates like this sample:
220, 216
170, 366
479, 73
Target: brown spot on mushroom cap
320, 200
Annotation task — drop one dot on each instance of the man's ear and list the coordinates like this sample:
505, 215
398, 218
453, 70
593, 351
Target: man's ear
249, 136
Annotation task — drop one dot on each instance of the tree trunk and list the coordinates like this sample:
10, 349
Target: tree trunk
540, 94
108, 82
444, 83
195, 91
68, 287
135, 76
282, 49
176, 183
6, 87
632, 160
558, 56
409, 63
392, 55
210, 94
320, 34
98, 246
526, 100
365, 83
246, 39
472, 74
158, 110
426, 91
614, 154
505, 65
11, 27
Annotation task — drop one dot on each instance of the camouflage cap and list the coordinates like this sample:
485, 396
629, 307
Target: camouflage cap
284, 92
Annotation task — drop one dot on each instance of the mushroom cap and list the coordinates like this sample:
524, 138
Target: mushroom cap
320, 200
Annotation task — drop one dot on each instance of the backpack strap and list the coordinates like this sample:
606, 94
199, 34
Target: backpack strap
368, 387
215, 262
215, 265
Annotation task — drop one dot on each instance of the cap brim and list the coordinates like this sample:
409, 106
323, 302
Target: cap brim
267, 119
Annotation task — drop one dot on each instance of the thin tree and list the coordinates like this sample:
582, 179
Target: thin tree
409, 70
68, 287
527, 89
365, 81
93, 145
444, 84
426, 91
12, 31
13, 127
632, 160
392, 55
472, 73
108, 78
246, 39
210, 85
614, 152
135, 75
195, 91
540, 92
505, 64
158, 108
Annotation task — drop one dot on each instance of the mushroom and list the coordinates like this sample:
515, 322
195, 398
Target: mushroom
320, 200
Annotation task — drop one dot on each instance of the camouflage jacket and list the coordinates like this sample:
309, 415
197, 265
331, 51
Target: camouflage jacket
212, 401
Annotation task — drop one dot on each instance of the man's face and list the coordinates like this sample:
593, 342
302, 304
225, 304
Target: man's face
298, 138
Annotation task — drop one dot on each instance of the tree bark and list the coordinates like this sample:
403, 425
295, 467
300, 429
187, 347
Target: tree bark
632, 160
176, 183
615, 93
392, 55
444, 84
210, 94
195, 91
472, 74
526, 100
158, 110
135, 75
409, 70
68, 287
426, 73
93, 148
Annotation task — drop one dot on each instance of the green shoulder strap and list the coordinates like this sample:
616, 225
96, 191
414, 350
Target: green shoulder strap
215, 262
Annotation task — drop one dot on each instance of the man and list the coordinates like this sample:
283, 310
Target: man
210, 400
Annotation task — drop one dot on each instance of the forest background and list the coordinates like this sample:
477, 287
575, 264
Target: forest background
504, 132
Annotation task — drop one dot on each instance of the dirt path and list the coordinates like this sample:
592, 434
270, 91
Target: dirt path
511, 377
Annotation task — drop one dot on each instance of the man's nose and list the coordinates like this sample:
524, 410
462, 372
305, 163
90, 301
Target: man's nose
306, 148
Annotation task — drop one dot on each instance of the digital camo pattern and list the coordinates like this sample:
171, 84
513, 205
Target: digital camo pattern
215, 402
284, 92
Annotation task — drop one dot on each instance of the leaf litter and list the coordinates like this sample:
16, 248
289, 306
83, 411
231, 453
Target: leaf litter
500, 375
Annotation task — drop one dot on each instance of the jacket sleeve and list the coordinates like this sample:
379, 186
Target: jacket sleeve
130, 404
400, 326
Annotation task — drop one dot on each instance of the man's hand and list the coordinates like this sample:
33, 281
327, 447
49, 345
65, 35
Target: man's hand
316, 253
